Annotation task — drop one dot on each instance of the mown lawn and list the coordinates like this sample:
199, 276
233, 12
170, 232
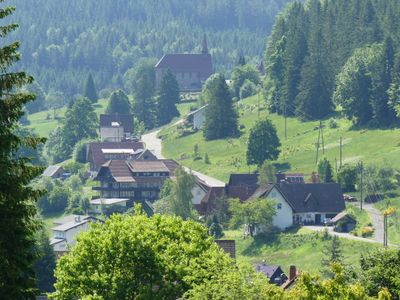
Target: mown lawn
378, 147
303, 249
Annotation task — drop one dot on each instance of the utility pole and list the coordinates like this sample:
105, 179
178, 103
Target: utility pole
322, 137
336, 164
319, 136
258, 102
385, 230
341, 153
285, 122
361, 185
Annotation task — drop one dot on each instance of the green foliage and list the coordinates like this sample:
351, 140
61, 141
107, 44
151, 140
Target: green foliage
266, 173
206, 159
181, 200
242, 73
381, 269
90, 89
118, 103
17, 222
39, 103
247, 89
168, 97
256, 214
215, 229
139, 257
325, 171
221, 117
45, 264
142, 82
331, 254
347, 177
57, 200
263, 143
80, 151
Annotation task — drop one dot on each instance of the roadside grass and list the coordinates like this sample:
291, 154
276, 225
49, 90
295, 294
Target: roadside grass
362, 217
393, 220
303, 249
298, 151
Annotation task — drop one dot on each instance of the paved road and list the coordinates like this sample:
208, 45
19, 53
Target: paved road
377, 221
153, 143
341, 234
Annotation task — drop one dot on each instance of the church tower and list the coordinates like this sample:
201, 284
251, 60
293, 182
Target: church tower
205, 47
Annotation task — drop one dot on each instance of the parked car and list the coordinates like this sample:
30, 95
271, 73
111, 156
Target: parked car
349, 198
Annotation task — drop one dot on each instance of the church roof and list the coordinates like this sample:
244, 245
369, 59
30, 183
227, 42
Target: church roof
186, 63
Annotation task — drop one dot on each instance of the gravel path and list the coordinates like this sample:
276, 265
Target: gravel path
377, 221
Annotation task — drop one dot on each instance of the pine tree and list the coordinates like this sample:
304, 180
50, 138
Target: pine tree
331, 254
168, 97
90, 89
45, 265
325, 171
17, 210
221, 117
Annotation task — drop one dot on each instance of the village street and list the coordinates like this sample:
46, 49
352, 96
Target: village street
153, 143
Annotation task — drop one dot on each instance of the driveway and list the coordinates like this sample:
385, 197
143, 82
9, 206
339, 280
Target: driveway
377, 221
154, 144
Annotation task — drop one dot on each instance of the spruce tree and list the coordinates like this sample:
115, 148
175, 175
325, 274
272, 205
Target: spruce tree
325, 171
90, 89
331, 254
168, 97
17, 210
221, 117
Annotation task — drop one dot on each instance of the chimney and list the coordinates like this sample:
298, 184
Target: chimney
292, 272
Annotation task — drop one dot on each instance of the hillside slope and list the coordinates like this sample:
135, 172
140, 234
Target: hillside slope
378, 147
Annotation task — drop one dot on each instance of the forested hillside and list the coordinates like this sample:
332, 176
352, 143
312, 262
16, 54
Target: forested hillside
67, 39
314, 67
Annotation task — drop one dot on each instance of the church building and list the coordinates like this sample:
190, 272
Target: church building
190, 70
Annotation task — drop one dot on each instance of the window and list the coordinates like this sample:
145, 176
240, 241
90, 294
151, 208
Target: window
279, 206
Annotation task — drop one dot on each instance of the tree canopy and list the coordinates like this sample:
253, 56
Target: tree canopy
168, 97
138, 257
118, 103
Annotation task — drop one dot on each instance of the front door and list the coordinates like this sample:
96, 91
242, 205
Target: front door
317, 219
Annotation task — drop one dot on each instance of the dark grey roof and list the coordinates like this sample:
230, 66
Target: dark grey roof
318, 197
201, 63
125, 120
243, 180
308, 197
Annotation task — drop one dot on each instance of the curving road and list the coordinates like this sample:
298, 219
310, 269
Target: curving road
154, 144
377, 221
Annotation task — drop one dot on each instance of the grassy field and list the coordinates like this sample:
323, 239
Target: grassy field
44, 122
394, 220
379, 147
303, 249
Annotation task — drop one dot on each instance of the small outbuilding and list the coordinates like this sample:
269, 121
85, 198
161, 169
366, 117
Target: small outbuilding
343, 222
53, 172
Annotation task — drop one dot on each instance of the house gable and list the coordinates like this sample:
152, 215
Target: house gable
284, 212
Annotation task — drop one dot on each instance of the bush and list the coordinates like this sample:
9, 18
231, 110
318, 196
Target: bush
248, 89
367, 231
73, 167
80, 150
333, 123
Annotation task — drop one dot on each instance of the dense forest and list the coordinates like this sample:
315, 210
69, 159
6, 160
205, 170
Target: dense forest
338, 55
66, 40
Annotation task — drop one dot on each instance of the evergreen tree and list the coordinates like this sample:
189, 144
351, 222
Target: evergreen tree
325, 171
331, 254
241, 60
221, 117
45, 265
17, 210
215, 229
168, 97
263, 143
118, 103
90, 89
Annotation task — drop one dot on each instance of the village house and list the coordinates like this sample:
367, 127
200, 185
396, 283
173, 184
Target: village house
98, 153
136, 180
190, 70
116, 127
66, 231
306, 203
273, 273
